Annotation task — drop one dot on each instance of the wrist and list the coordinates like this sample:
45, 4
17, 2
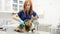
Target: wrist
21, 21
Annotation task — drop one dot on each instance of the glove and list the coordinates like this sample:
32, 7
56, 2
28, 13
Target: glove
21, 21
34, 21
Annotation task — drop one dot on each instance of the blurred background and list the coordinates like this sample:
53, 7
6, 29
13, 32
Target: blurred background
47, 10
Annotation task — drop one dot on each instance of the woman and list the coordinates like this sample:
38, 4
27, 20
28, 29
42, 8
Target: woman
26, 13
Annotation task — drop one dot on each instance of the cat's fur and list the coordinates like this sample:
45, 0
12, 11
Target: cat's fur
27, 27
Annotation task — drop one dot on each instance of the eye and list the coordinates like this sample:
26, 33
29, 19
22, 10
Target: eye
28, 4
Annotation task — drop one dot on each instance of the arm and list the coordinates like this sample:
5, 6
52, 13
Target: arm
16, 17
34, 17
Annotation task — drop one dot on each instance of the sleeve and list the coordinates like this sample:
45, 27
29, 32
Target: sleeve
35, 14
19, 13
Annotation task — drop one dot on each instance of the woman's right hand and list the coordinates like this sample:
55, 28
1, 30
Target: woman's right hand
15, 17
21, 21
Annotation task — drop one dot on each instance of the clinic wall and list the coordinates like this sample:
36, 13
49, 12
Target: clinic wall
49, 9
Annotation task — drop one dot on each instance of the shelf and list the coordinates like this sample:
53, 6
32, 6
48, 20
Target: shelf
10, 6
15, 3
20, 2
6, 11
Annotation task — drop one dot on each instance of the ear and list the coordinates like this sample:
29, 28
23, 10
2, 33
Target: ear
33, 18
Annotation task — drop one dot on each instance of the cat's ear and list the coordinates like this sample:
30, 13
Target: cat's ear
33, 18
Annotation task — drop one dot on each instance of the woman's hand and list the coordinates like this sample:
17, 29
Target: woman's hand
21, 21
16, 17
34, 21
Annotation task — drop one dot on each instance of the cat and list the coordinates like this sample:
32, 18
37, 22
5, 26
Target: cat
27, 27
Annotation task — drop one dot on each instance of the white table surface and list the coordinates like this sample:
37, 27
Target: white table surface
39, 32
10, 30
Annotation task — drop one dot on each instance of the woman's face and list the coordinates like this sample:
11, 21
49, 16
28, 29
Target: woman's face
28, 6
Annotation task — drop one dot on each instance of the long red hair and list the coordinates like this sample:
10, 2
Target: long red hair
25, 3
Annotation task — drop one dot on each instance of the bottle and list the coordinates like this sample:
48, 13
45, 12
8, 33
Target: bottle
5, 22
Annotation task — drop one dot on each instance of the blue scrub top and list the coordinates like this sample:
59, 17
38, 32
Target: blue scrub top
24, 16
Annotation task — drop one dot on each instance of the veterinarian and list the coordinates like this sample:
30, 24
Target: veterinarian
26, 13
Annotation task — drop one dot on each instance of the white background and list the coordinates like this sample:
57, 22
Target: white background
50, 10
